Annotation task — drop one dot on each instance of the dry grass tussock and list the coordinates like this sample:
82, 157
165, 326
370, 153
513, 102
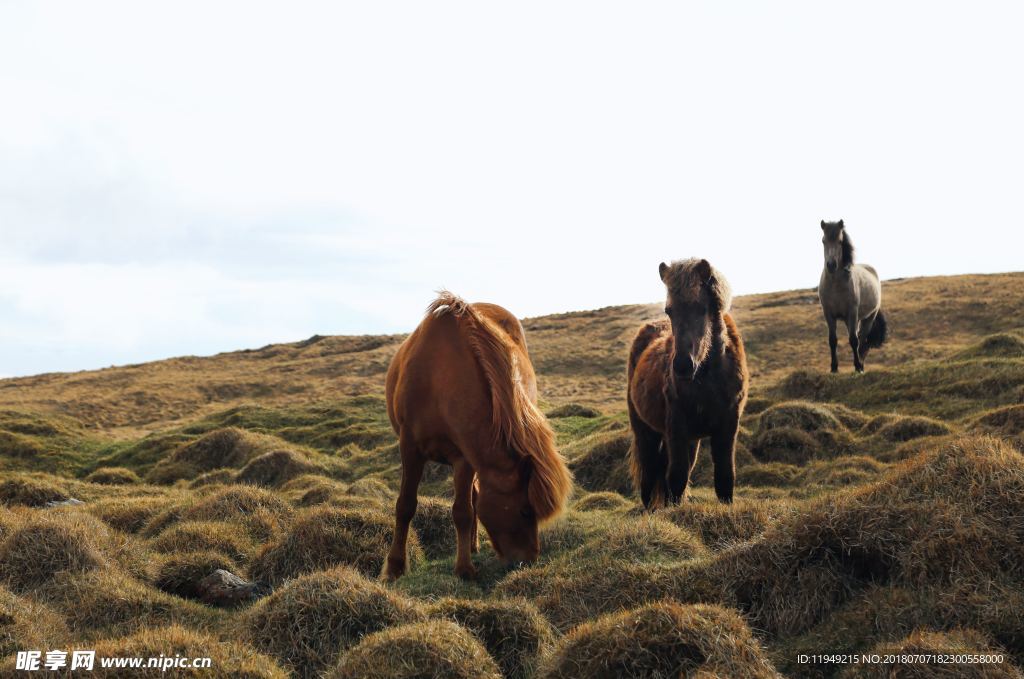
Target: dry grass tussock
310, 620
229, 659
109, 601
227, 447
864, 518
44, 546
261, 513
435, 649
660, 640
26, 624
324, 537
513, 631
935, 520
113, 476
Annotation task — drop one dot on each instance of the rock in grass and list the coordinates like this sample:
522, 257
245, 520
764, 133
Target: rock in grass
436, 649
223, 588
310, 620
660, 640
181, 574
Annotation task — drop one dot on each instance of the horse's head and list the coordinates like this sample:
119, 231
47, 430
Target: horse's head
697, 297
505, 511
838, 248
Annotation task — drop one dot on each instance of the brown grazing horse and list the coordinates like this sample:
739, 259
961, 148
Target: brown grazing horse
687, 379
461, 391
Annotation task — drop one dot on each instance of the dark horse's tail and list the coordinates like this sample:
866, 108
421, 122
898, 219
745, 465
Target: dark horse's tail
879, 331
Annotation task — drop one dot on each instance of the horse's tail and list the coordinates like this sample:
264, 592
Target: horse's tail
644, 337
517, 422
879, 331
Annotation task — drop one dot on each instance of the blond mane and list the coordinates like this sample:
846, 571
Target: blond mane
517, 422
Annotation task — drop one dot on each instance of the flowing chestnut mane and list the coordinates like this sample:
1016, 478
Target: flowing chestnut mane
517, 422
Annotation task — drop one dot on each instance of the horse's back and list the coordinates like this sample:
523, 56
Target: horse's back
435, 380
870, 289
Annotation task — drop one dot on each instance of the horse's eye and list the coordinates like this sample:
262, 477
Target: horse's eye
668, 311
526, 513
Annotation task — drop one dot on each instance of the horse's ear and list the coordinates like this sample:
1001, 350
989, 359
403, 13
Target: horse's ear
662, 270
703, 270
840, 223
823, 225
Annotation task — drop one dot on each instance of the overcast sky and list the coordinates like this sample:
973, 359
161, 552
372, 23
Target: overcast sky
187, 178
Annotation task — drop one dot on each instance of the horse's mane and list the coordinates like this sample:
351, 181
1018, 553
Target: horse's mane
847, 250
516, 420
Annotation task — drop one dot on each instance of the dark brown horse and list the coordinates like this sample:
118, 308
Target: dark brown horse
461, 391
687, 380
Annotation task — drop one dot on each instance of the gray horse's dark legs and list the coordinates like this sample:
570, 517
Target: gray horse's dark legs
833, 343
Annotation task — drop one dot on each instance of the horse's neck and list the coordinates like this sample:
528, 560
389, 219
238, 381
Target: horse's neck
840, 277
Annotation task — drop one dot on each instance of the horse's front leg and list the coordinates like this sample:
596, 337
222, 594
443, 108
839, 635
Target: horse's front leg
405, 509
464, 516
682, 453
723, 453
853, 325
833, 341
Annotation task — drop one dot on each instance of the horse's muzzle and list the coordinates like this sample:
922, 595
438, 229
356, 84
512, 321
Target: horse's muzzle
683, 368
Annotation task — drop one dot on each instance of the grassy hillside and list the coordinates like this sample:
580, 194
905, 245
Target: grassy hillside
875, 513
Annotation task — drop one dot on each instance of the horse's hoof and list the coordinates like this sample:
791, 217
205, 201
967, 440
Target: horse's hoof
392, 570
466, 572
388, 575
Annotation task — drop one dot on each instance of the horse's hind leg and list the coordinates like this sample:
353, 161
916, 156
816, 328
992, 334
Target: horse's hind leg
464, 516
862, 337
475, 537
405, 508
853, 325
649, 462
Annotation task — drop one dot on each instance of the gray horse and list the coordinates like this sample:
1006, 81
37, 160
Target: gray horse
852, 293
